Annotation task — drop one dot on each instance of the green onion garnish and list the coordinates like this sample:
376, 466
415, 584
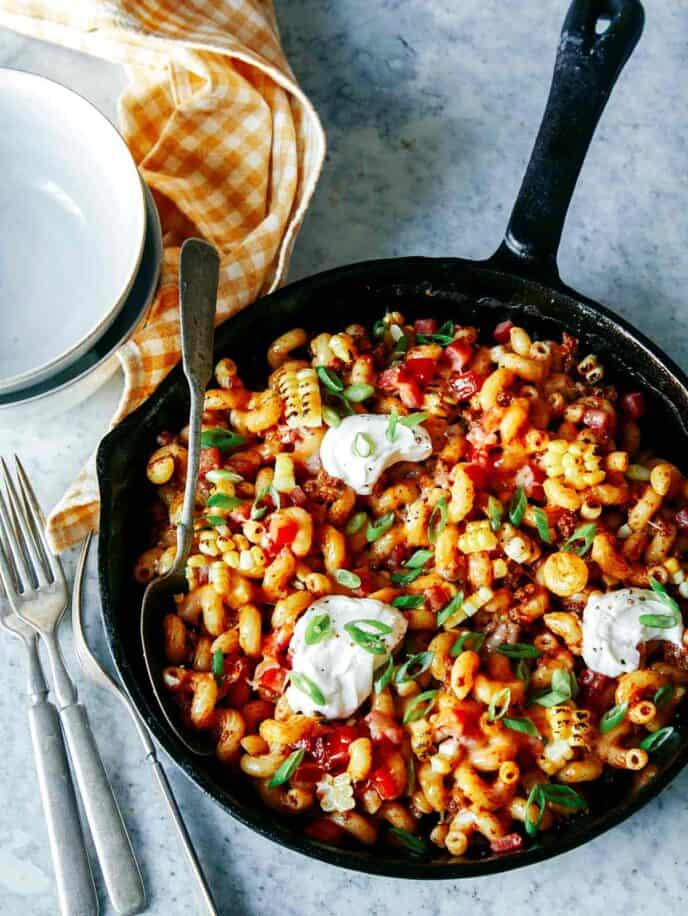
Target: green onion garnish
222, 501
517, 506
438, 520
664, 595
585, 534
413, 844
391, 431
347, 578
448, 611
556, 794
523, 671
257, 512
406, 578
218, 663
658, 621
330, 416
563, 688
613, 717
654, 741
499, 704
444, 335
384, 675
358, 392
303, 683
413, 419
401, 346
379, 328
371, 642
408, 602
413, 667
376, 529
419, 559
215, 520
330, 379
525, 726
363, 445
420, 706
664, 696
518, 650
469, 640
495, 512
536, 798
224, 439
542, 524
287, 769
355, 523
319, 628
215, 475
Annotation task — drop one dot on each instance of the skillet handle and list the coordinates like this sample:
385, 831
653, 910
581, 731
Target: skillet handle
586, 68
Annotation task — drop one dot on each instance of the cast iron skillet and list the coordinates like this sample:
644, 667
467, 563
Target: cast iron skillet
520, 281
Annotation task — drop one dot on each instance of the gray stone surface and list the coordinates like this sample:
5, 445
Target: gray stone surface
430, 107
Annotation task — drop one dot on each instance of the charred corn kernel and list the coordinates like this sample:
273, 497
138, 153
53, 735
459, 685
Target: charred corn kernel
300, 393
478, 536
320, 348
590, 369
473, 604
575, 461
499, 569
672, 566
565, 574
207, 544
517, 549
251, 562
231, 558
343, 347
284, 480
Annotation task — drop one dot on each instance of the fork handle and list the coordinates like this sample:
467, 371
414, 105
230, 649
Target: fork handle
115, 855
75, 890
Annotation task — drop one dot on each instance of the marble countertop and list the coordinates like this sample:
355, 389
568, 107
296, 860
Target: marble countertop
430, 107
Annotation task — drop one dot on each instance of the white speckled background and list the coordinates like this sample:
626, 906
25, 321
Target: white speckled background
430, 107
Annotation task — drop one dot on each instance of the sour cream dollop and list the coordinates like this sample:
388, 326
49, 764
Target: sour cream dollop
341, 669
612, 629
343, 454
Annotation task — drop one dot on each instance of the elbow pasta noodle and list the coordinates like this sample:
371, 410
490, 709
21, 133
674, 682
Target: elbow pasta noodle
479, 547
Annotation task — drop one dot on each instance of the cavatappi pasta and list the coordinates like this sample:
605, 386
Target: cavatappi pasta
491, 495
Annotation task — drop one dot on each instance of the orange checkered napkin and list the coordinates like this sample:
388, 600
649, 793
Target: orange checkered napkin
226, 140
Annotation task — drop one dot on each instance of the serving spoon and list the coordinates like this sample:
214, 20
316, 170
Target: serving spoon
198, 279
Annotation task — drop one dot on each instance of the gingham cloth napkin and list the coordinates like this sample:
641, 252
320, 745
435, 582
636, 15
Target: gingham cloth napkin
226, 140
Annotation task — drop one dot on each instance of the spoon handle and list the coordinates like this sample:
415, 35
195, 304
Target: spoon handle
199, 266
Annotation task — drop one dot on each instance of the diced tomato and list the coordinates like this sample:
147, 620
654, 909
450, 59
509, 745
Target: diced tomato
509, 843
531, 478
271, 679
422, 369
633, 405
479, 469
459, 353
410, 394
241, 513
503, 331
209, 461
436, 597
388, 379
331, 750
282, 531
464, 386
599, 421
323, 830
308, 772
681, 519
384, 727
383, 780
425, 326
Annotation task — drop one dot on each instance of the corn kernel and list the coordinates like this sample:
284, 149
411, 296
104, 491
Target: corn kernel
477, 537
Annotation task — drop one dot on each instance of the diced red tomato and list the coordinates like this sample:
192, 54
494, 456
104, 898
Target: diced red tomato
464, 386
383, 780
425, 326
411, 394
503, 331
459, 353
270, 681
388, 379
209, 461
308, 772
436, 597
331, 750
422, 369
681, 519
599, 421
282, 531
383, 727
633, 405
323, 830
479, 469
509, 843
241, 513
531, 477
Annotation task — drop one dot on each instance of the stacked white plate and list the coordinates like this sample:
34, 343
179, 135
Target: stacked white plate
80, 245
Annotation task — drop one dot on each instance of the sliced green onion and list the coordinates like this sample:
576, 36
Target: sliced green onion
303, 683
222, 501
562, 690
384, 676
564, 796
406, 578
408, 602
448, 611
468, 641
287, 769
523, 671
319, 628
585, 534
525, 726
664, 595
215, 520
413, 667
664, 696
355, 523
495, 513
413, 844
258, 512
542, 524
654, 741
518, 650
215, 475
517, 506
613, 717
358, 392
379, 328
381, 526
218, 663
536, 798
347, 578
444, 335
419, 559
499, 704
438, 520
658, 621
371, 642
330, 379
401, 346
391, 431
330, 416
420, 706
363, 445
413, 419
224, 439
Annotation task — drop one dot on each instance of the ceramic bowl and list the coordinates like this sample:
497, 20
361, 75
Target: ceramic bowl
74, 224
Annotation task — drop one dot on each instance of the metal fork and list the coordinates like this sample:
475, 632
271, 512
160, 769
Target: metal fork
38, 595
95, 672
76, 892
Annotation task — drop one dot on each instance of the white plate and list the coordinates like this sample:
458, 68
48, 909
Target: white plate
73, 223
